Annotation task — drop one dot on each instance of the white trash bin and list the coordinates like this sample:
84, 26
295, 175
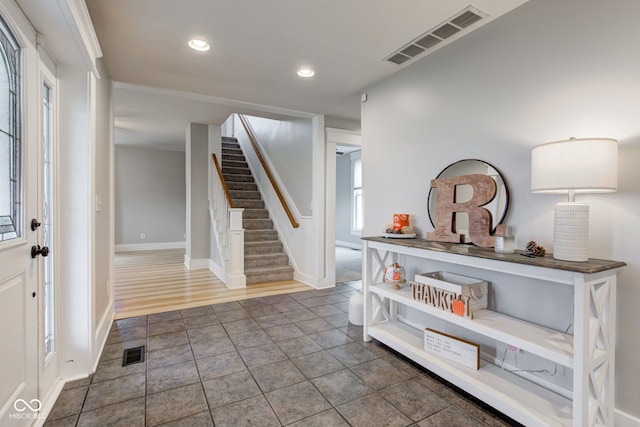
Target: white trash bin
356, 309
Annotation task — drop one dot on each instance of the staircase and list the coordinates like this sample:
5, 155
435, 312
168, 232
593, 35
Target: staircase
264, 256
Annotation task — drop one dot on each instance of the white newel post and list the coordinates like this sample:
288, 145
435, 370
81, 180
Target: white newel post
236, 249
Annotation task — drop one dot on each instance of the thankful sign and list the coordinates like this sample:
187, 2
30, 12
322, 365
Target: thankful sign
450, 292
441, 299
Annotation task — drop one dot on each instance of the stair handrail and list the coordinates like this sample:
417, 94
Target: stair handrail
222, 180
254, 144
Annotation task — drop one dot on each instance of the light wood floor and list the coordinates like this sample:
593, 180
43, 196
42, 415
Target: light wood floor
148, 282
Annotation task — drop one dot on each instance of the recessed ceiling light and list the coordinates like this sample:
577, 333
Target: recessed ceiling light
199, 44
306, 72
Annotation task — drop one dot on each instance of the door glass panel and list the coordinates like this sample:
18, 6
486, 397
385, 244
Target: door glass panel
10, 190
47, 223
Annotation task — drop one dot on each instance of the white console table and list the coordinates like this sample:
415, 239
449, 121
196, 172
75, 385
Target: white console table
589, 352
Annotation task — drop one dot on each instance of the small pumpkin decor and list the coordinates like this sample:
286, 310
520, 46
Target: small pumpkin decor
395, 275
458, 307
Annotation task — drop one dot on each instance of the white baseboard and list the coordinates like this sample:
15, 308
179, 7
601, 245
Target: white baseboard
217, 270
102, 333
196, 264
149, 246
348, 245
236, 281
622, 419
48, 401
232, 282
306, 279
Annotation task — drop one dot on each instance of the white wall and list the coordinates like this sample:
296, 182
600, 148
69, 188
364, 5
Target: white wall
74, 228
306, 245
103, 233
288, 146
150, 195
547, 71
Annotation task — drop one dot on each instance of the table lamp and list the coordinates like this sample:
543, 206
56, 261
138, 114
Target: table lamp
574, 166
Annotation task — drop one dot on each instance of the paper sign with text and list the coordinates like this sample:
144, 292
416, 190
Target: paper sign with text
452, 348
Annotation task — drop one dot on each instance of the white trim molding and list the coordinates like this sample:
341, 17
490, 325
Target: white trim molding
102, 333
233, 281
327, 167
49, 401
196, 264
250, 108
149, 246
349, 245
77, 16
344, 137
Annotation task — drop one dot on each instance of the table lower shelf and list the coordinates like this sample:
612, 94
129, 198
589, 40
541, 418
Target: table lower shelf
516, 397
544, 342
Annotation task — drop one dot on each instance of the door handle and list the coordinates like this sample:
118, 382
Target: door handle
37, 250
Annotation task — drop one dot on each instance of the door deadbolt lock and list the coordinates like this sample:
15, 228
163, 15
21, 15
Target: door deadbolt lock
35, 224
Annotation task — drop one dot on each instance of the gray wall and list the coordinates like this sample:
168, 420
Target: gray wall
546, 71
149, 195
197, 159
343, 201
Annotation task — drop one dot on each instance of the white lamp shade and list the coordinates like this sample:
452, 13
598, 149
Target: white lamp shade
588, 165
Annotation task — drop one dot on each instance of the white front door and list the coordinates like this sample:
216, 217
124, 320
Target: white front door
19, 291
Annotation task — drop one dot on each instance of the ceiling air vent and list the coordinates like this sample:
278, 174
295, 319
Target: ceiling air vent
425, 42
428, 41
446, 31
465, 19
412, 50
398, 58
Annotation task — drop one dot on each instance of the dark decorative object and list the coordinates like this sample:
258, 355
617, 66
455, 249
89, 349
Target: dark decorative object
533, 250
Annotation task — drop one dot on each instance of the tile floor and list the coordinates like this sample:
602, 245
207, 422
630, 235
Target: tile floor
290, 359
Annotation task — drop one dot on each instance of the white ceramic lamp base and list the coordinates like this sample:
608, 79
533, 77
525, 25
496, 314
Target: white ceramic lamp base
571, 232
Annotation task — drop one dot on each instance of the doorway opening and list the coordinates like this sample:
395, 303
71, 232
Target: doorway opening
348, 215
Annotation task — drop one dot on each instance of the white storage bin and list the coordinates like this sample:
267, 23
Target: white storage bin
470, 289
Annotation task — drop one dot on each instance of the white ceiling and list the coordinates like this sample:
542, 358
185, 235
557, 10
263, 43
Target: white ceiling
257, 46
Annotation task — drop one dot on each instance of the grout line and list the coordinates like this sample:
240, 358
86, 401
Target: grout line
412, 376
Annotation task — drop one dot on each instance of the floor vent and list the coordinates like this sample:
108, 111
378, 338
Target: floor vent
430, 40
133, 355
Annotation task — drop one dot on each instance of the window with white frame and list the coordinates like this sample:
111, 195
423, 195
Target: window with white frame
357, 218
